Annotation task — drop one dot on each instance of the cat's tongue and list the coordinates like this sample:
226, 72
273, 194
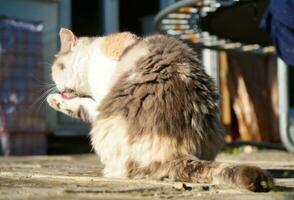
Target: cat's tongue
65, 95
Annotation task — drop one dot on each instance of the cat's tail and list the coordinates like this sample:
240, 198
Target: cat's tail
190, 169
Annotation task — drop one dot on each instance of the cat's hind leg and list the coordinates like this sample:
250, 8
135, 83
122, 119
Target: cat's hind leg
83, 108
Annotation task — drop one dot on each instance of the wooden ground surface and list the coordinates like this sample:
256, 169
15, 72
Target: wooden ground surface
79, 177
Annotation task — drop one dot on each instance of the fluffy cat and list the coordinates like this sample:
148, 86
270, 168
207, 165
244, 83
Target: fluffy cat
152, 108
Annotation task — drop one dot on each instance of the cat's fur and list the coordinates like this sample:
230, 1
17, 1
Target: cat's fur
153, 109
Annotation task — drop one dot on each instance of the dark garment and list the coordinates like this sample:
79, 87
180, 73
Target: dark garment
278, 21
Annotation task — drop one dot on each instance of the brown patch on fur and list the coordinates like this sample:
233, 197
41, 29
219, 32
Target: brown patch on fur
184, 168
171, 97
134, 170
114, 45
190, 169
254, 179
167, 94
83, 114
243, 176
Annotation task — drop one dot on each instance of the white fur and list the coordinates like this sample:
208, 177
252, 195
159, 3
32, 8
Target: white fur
93, 73
88, 71
110, 141
101, 71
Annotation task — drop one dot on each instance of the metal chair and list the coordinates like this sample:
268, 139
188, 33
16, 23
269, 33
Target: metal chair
188, 20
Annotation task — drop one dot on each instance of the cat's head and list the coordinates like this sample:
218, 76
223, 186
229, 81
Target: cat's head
70, 70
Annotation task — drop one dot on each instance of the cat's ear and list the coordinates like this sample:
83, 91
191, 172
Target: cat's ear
67, 40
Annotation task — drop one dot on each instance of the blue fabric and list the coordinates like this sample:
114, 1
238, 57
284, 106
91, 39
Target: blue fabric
278, 21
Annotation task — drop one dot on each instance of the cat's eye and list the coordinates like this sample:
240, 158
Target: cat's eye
61, 66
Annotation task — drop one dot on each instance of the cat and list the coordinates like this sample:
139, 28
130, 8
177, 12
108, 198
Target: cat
152, 108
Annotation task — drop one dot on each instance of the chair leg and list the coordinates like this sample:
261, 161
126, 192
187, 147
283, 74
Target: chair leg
286, 129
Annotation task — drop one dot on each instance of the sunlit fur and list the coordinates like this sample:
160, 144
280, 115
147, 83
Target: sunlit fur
153, 109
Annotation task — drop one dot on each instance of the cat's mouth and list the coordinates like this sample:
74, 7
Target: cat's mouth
68, 94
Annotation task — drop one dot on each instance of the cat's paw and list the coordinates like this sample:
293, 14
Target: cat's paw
255, 179
55, 101
73, 107
61, 104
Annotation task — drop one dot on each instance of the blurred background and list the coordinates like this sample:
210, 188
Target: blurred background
255, 84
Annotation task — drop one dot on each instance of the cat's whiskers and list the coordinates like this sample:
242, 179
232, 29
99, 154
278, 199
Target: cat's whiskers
44, 97
45, 63
41, 99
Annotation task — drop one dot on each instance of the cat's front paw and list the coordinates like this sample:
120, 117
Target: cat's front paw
57, 102
73, 107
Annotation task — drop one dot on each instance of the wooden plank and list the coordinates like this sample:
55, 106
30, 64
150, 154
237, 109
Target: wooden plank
225, 104
79, 177
253, 90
